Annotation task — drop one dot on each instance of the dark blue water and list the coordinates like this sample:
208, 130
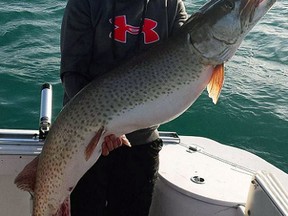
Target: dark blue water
252, 112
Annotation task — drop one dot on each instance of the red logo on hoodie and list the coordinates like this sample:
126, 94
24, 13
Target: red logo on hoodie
122, 28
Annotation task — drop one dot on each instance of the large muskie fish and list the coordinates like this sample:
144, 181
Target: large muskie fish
150, 89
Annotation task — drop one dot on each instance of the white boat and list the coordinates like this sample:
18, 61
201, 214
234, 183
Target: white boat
197, 176
201, 177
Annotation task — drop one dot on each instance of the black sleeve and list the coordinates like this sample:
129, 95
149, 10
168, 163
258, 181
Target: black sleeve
77, 34
181, 15
178, 14
73, 83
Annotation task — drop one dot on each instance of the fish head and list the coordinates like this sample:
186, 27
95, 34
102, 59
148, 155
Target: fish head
218, 28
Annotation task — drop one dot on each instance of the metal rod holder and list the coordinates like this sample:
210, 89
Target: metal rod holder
45, 110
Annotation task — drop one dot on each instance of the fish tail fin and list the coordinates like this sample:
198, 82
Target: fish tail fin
26, 179
64, 209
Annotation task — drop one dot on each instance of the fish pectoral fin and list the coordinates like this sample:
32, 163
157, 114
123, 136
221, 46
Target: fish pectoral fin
93, 143
64, 209
215, 84
26, 179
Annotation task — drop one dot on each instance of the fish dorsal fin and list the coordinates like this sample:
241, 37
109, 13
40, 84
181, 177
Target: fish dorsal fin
93, 143
216, 82
26, 179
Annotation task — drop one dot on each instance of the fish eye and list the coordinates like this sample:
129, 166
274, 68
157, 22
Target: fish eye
228, 4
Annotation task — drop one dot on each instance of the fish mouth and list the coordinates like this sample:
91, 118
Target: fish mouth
259, 2
265, 3
253, 10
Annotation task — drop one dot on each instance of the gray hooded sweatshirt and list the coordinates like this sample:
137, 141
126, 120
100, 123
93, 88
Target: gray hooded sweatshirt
97, 35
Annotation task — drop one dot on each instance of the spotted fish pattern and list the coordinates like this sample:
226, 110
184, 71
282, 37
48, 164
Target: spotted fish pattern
150, 89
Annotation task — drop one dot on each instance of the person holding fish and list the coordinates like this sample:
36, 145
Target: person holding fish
152, 88
97, 36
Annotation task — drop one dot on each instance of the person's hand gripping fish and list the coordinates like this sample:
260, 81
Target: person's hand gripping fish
112, 142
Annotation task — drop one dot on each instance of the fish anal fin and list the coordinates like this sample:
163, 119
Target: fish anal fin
215, 84
64, 209
26, 179
93, 143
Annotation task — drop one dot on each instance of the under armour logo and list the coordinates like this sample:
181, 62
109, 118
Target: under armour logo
122, 28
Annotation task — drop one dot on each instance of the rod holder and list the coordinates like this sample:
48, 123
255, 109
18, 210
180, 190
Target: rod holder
45, 110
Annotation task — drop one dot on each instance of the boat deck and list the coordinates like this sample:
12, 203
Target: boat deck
206, 175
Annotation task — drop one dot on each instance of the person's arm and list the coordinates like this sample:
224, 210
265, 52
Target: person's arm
178, 15
181, 15
77, 34
72, 83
